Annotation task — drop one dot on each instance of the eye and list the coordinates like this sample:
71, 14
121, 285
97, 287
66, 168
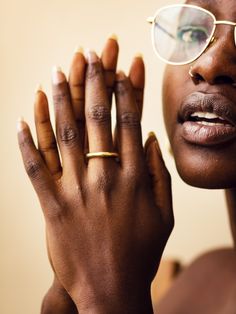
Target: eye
192, 34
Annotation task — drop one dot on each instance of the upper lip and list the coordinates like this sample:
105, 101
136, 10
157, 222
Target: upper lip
213, 103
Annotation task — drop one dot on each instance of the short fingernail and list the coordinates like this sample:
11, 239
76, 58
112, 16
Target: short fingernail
57, 75
91, 56
152, 135
20, 124
38, 88
113, 36
78, 49
138, 55
120, 75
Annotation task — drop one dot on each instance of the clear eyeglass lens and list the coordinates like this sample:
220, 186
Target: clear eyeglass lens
182, 33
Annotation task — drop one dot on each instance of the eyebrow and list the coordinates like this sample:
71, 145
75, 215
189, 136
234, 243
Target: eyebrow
201, 2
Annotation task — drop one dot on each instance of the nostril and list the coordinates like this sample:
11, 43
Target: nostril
197, 78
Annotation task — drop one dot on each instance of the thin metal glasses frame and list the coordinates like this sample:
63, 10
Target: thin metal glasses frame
151, 20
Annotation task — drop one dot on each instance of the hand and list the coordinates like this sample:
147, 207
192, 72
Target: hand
76, 85
107, 222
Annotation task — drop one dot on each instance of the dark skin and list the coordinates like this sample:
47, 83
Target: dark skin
57, 300
209, 284
100, 244
75, 222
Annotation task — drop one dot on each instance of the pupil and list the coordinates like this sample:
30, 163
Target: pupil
192, 35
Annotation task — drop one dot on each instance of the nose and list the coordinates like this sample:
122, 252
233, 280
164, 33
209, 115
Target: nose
217, 65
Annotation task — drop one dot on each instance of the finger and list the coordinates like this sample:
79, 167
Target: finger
46, 139
77, 86
160, 179
137, 78
66, 128
35, 166
109, 61
97, 108
128, 123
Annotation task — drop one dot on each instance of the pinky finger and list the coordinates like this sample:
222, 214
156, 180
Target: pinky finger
34, 164
161, 180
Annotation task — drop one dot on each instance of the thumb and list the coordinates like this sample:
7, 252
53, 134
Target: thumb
161, 180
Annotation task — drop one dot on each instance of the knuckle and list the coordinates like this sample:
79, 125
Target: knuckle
129, 120
132, 176
60, 98
99, 114
93, 70
56, 211
33, 168
68, 134
102, 182
25, 142
51, 146
122, 88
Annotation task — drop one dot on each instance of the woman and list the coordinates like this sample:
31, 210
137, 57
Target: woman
107, 203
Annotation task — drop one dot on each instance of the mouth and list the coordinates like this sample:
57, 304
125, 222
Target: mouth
207, 119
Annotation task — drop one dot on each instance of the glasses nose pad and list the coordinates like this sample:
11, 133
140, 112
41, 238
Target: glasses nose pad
213, 40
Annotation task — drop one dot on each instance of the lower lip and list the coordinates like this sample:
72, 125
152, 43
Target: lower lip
207, 135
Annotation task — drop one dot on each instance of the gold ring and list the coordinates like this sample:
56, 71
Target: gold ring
102, 154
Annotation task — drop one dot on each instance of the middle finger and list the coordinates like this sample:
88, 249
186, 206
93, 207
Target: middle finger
97, 107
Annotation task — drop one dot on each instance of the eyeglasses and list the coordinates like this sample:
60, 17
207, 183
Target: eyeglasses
182, 32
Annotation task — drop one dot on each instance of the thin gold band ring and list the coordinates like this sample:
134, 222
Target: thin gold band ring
102, 154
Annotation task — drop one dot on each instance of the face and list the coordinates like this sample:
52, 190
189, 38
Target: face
200, 111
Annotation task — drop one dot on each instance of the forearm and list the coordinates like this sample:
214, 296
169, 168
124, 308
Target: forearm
57, 301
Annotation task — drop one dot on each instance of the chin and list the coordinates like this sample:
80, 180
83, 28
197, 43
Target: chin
205, 168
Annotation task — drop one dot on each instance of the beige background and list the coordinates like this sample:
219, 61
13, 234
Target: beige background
35, 35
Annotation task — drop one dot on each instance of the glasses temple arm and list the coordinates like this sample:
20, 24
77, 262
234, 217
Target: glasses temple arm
165, 31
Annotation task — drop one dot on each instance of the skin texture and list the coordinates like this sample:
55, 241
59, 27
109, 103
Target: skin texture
100, 244
214, 71
208, 285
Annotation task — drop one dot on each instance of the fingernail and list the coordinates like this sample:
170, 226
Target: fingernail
78, 49
20, 124
57, 75
91, 56
38, 88
138, 55
152, 135
114, 37
120, 75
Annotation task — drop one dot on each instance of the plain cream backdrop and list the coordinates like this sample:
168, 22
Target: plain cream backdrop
35, 35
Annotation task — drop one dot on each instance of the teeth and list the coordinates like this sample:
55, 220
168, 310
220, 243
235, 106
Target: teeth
206, 115
208, 123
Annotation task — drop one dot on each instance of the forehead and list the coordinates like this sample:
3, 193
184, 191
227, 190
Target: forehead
222, 9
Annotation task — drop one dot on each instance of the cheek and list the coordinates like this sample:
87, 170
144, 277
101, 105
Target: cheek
206, 167
176, 86
203, 167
